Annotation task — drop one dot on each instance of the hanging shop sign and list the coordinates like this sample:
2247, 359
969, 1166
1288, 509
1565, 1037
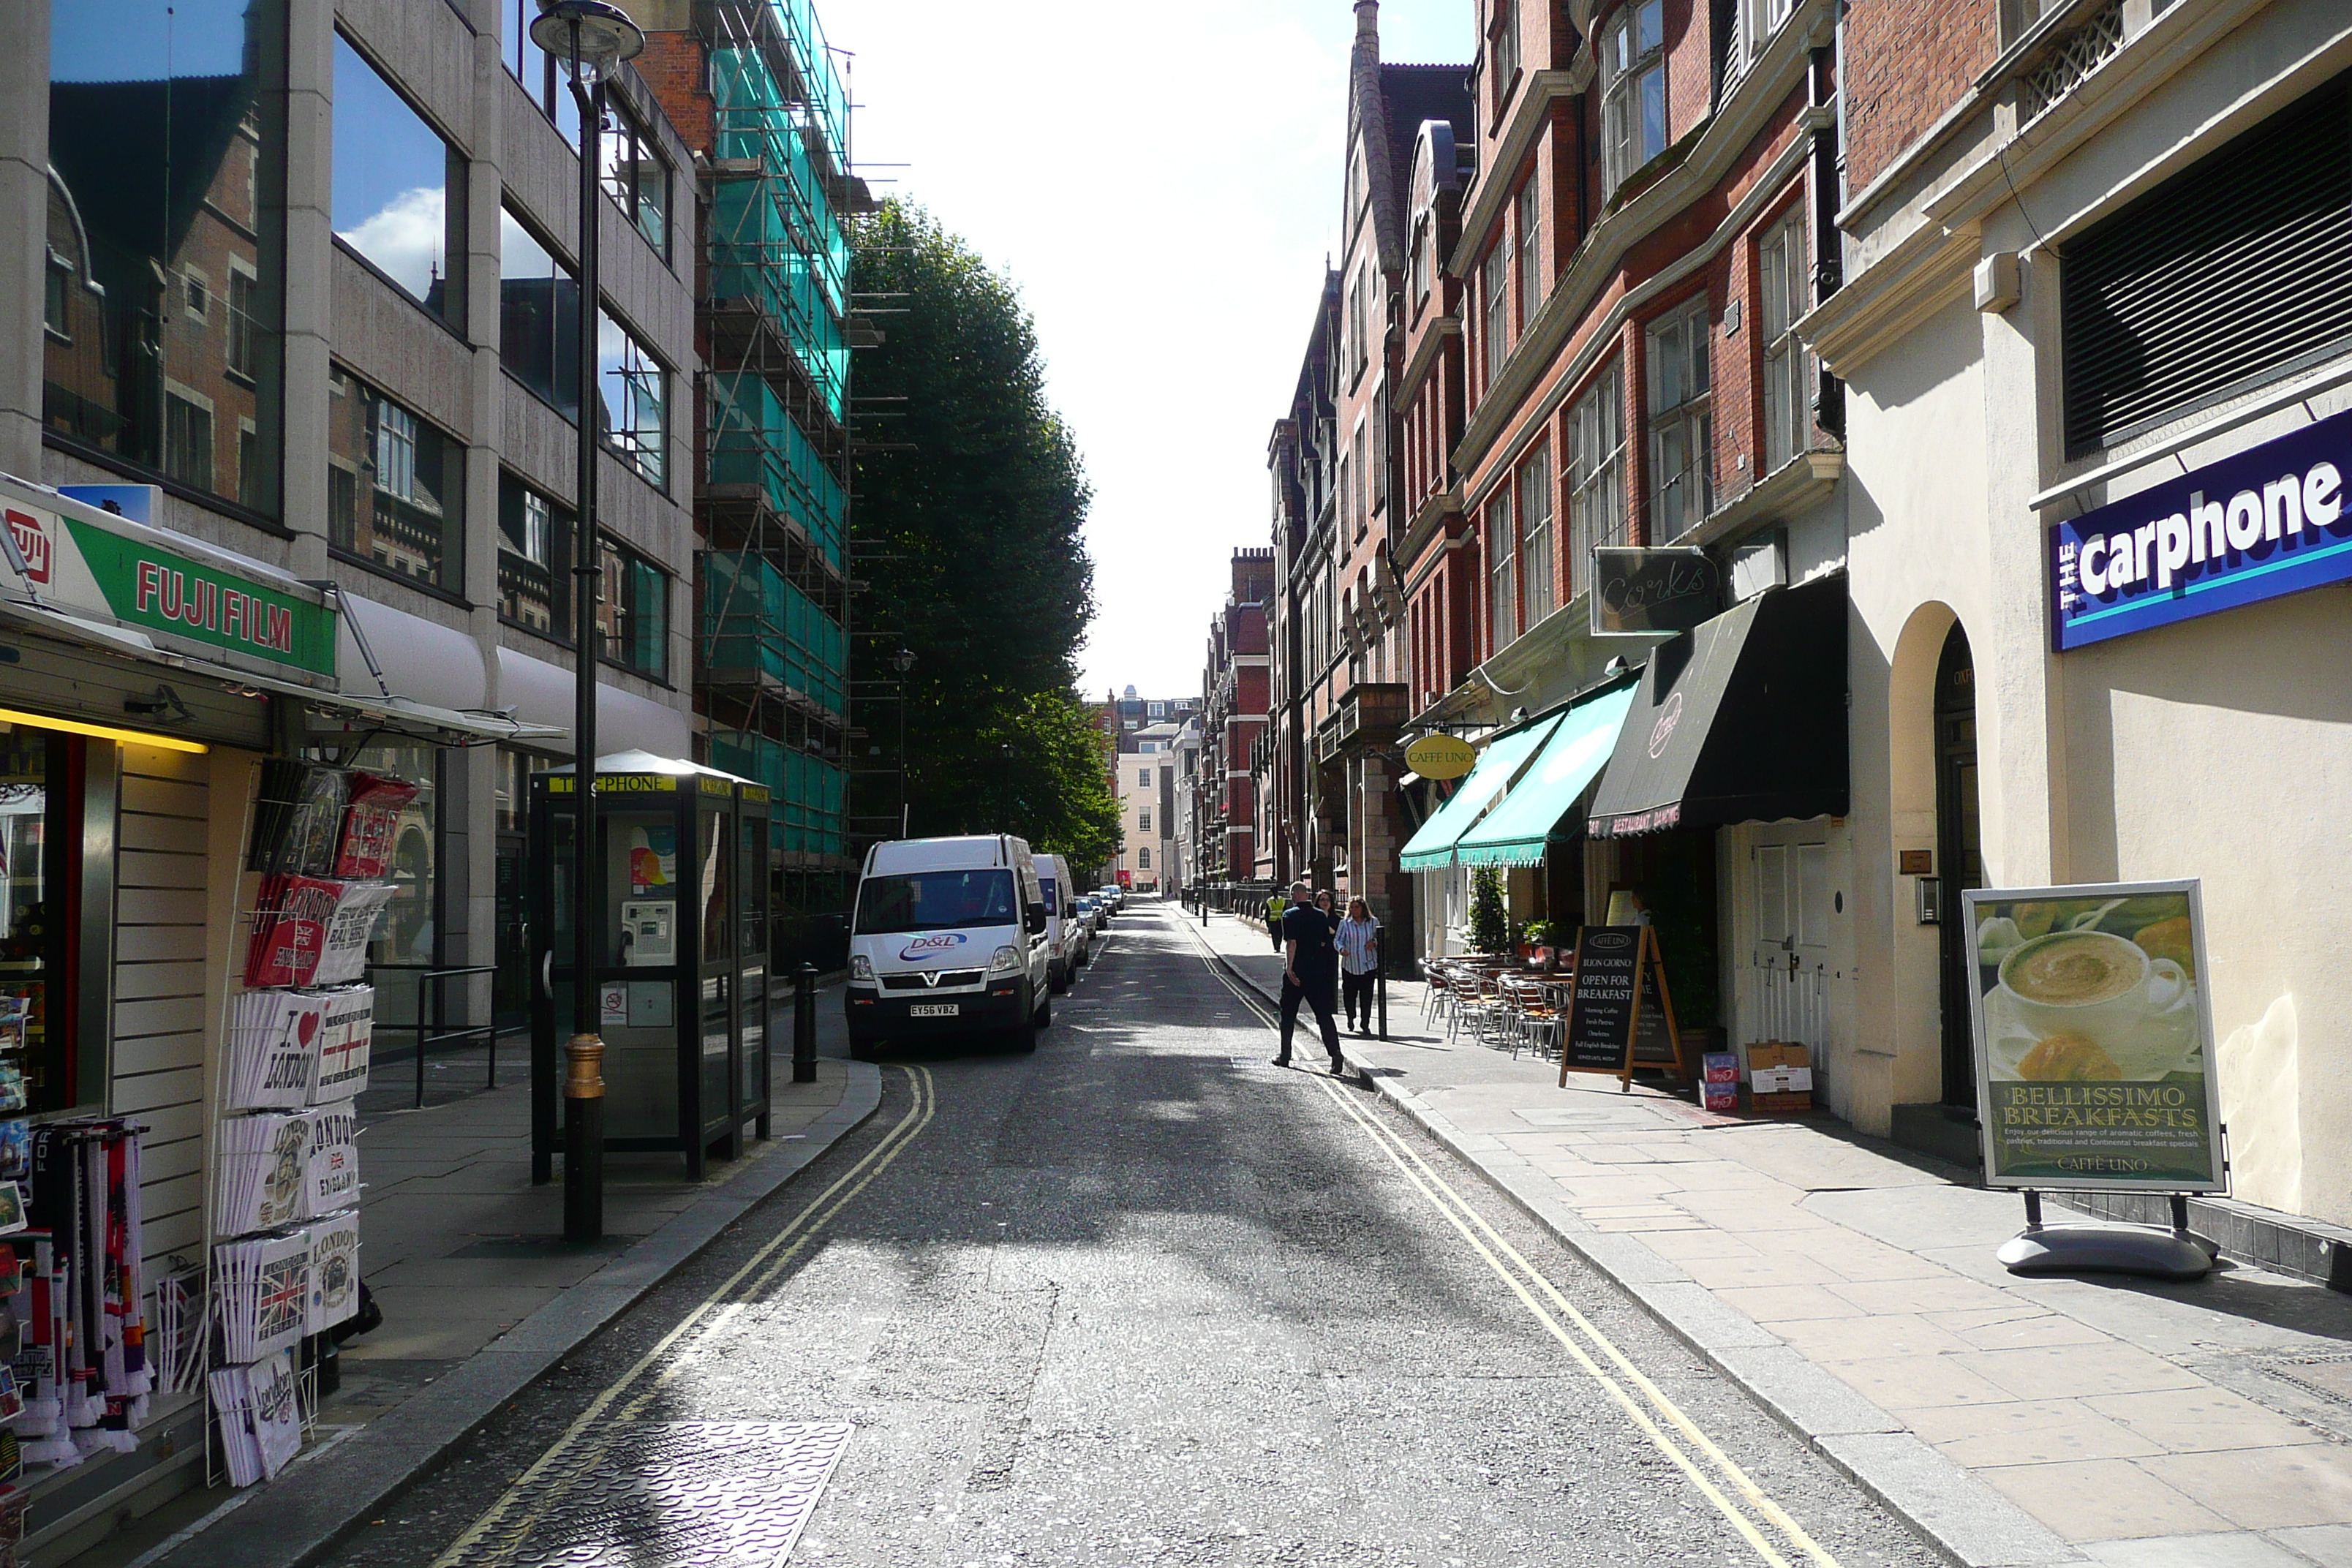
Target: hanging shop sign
1648, 593
2270, 521
1440, 756
75, 558
1619, 1015
2094, 1037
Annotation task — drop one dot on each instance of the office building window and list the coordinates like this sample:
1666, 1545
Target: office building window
167, 176
1143, 822
1503, 51
636, 176
395, 486
544, 82
1596, 471
1788, 416
1532, 281
1502, 582
1494, 311
539, 316
1682, 439
632, 397
1633, 90
1156, 709
534, 561
1535, 533
633, 617
1143, 778
393, 179
1143, 859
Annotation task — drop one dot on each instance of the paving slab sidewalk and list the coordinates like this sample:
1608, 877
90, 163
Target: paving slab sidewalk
482, 1295
1850, 1288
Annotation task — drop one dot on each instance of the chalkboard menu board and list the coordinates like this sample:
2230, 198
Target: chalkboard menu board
1619, 1016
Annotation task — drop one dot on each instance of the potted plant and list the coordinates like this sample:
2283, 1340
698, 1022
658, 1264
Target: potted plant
1538, 939
1490, 924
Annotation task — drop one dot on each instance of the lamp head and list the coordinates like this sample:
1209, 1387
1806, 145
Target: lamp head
591, 36
904, 659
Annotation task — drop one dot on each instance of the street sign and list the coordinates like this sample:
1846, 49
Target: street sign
1638, 593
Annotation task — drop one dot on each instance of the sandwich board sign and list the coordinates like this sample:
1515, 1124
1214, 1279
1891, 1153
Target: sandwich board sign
1618, 1013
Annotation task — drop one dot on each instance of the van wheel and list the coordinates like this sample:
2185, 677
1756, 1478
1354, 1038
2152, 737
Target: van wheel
1044, 1017
1061, 981
1023, 1035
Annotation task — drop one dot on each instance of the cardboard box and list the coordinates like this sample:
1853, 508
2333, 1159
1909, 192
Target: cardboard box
1779, 1076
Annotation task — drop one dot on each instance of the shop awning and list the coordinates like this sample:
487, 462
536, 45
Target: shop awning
1742, 719
1516, 832
1433, 846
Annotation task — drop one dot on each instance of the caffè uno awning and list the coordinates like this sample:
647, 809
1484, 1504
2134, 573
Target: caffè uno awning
1433, 846
1530, 818
1742, 719
128, 595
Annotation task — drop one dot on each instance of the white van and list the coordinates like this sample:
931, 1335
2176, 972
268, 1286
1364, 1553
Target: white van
1064, 939
949, 937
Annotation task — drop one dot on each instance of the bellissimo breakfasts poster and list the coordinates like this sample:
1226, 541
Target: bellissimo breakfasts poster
2093, 1039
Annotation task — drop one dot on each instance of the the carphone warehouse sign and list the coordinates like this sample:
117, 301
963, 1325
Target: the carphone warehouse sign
2269, 521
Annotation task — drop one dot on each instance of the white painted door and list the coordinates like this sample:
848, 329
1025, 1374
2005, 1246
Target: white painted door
1785, 991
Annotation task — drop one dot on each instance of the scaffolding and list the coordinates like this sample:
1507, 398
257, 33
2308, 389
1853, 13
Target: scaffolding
771, 591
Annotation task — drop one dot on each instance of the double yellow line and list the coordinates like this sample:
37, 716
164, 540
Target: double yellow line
1760, 1522
712, 1314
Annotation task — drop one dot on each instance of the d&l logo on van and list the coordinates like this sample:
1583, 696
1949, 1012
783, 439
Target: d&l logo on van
938, 941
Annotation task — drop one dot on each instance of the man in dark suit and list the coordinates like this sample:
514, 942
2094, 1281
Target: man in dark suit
1311, 974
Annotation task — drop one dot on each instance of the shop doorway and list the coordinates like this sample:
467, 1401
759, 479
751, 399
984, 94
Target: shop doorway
1789, 960
1959, 858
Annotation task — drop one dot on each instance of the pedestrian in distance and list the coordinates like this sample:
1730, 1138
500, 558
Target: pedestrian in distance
1311, 974
1276, 906
1326, 903
1358, 942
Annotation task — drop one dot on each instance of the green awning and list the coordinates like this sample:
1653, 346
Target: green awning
1433, 846
1516, 831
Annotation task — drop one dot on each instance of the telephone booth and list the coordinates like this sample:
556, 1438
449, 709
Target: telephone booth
681, 983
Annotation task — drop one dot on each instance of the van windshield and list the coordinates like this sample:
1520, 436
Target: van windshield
1052, 904
934, 900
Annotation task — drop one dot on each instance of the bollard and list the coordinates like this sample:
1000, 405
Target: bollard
1381, 982
804, 1025
583, 1138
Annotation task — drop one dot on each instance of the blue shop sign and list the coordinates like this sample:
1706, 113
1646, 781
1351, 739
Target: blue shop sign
2270, 521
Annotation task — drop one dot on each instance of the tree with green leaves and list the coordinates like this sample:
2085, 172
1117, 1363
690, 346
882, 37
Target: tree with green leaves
1490, 923
970, 536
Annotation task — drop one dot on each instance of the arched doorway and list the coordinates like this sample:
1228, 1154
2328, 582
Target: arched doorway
1959, 854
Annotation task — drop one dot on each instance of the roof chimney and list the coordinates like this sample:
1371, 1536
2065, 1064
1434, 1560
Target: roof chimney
1368, 20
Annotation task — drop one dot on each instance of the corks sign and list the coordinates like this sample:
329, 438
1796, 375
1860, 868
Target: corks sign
1638, 593
2094, 1037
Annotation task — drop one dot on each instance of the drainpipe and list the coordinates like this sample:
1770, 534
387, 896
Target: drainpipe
1826, 84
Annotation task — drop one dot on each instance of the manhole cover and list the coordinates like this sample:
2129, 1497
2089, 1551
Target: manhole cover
684, 1494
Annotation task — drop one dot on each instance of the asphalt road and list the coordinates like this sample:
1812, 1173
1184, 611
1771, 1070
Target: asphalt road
1139, 1299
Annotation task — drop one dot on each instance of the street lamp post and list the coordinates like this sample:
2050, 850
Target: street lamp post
593, 37
902, 662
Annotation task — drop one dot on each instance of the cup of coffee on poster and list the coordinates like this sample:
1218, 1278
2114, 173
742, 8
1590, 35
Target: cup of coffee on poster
2094, 1040
2074, 989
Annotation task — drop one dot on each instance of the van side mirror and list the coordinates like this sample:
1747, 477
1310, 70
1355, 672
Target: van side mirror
1036, 920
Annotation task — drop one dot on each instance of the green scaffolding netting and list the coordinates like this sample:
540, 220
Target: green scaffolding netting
755, 441
753, 619
810, 793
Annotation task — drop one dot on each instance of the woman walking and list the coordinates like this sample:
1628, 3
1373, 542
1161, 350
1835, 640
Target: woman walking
1358, 942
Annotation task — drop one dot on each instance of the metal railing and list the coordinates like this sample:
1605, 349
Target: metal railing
427, 996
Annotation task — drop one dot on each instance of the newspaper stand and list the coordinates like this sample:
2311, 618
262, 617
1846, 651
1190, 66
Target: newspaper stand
681, 988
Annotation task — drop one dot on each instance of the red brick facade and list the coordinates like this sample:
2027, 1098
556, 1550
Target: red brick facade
1909, 60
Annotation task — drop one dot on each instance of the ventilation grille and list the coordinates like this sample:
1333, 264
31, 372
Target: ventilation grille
2232, 271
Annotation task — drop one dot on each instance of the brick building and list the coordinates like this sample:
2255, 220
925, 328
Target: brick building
1235, 686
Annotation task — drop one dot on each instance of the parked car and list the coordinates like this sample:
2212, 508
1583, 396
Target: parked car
1082, 915
949, 937
1061, 930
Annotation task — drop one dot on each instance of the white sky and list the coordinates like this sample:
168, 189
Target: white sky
1163, 182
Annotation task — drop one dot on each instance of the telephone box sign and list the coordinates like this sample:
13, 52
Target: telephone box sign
2271, 520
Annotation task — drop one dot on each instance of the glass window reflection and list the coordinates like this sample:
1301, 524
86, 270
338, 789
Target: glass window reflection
637, 177
392, 185
534, 560
394, 486
633, 617
165, 239
542, 83
539, 316
632, 392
